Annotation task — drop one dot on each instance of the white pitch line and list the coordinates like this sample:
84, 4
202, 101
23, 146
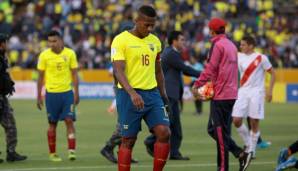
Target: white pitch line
133, 166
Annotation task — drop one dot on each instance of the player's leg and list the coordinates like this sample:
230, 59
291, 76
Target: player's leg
52, 142
260, 140
157, 120
149, 143
161, 146
69, 116
130, 124
53, 107
240, 110
70, 129
254, 134
108, 150
256, 113
242, 131
124, 154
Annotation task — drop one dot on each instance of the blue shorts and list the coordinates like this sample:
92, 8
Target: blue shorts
130, 118
60, 106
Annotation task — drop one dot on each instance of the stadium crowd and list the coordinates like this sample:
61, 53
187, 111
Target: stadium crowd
88, 26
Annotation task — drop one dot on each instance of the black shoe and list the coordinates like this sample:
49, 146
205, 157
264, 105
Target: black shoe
14, 156
244, 160
150, 149
108, 154
179, 157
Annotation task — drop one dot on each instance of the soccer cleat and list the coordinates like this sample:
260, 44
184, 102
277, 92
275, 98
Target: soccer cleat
71, 155
290, 163
244, 161
14, 156
283, 155
108, 154
264, 144
54, 157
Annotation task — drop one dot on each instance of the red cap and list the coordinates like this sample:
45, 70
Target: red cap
216, 23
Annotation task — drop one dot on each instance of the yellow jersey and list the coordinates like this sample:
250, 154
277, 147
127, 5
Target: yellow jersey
139, 56
57, 69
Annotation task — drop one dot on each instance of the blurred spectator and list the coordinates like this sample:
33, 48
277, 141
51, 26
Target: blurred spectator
88, 26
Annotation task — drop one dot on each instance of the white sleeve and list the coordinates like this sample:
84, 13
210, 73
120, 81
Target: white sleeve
266, 63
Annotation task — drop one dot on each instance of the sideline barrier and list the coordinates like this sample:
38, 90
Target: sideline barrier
98, 85
28, 90
282, 92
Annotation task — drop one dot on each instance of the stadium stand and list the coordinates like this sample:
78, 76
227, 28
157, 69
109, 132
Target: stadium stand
88, 26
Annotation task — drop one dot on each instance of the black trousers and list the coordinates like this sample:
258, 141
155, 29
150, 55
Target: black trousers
7, 121
176, 129
219, 128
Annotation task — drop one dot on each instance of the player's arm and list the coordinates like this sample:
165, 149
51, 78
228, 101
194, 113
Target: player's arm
75, 82
160, 78
39, 88
161, 82
119, 72
269, 92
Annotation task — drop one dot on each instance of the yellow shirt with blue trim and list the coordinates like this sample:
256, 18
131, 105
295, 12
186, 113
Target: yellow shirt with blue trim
57, 67
139, 56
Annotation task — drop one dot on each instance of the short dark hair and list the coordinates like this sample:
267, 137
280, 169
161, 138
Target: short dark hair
249, 40
147, 10
173, 35
54, 33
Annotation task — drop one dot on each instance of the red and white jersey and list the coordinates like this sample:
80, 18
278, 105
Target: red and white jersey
252, 70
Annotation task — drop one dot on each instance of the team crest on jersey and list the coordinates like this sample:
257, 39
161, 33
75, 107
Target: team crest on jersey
151, 46
64, 58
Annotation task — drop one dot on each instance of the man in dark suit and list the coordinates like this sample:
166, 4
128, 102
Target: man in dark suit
173, 68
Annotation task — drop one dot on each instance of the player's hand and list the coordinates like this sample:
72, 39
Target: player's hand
166, 103
196, 94
39, 103
76, 99
268, 96
137, 100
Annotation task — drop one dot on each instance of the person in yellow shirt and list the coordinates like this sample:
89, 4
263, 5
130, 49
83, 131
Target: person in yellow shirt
140, 88
58, 69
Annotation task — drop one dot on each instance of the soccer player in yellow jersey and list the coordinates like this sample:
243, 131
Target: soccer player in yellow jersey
141, 92
57, 67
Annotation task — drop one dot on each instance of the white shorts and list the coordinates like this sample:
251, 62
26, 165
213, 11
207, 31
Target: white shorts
249, 104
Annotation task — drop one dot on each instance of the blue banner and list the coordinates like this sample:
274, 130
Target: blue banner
96, 91
292, 93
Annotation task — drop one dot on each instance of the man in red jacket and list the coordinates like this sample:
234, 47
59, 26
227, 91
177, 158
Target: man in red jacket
222, 71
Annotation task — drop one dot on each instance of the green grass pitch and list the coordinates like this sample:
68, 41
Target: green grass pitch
94, 127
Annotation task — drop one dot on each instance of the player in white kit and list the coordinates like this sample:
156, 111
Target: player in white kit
251, 94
